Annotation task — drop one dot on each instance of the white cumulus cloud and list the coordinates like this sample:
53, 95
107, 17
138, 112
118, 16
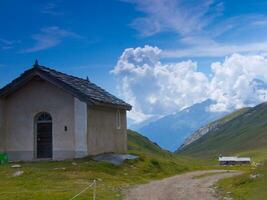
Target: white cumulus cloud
154, 88
235, 82
157, 89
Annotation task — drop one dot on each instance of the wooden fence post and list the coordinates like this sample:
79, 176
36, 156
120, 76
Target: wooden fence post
94, 191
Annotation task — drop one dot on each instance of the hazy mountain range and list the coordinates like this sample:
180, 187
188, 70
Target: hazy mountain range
170, 131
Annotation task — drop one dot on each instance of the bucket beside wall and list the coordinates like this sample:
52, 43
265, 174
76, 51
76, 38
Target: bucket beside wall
3, 158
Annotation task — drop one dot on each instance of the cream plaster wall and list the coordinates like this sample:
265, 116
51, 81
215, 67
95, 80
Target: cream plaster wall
90, 130
103, 135
80, 119
21, 108
2, 131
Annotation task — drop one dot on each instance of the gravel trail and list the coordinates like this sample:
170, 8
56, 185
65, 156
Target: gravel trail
189, 186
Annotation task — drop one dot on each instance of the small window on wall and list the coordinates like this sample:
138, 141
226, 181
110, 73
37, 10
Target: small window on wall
118, 119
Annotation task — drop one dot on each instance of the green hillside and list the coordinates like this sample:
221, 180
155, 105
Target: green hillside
140, 144
249, 186
62, 180
232, 115
244, 134
211, 127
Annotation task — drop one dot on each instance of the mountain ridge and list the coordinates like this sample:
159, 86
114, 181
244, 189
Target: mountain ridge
213, 126
170, 131
246, 134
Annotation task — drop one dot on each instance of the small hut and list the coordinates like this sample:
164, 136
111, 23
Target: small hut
234, 160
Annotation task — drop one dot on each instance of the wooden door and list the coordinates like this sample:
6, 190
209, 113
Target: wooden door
44, 140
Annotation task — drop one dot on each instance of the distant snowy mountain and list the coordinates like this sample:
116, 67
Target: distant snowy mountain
138, 126
171, 131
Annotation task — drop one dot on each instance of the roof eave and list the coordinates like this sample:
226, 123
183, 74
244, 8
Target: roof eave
27, 76
36, 71
17, 83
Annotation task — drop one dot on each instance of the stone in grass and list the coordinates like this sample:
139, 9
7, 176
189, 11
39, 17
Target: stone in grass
18, 173
74, 163
60, 168
16, 166
115, 159
254, 176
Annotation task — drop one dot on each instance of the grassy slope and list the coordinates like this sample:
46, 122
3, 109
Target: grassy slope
140, 144
245, 134
244, 187
62, 180
220, 122
232, 115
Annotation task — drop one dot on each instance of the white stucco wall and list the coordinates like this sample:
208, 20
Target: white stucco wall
2, 132
80, 124
90, 129
103, 134
21, 108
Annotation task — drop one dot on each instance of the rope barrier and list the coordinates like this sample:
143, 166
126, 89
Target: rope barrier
89, 186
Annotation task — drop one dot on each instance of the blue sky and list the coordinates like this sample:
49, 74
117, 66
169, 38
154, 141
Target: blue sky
88, 38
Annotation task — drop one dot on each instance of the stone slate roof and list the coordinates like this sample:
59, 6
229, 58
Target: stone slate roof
82, 89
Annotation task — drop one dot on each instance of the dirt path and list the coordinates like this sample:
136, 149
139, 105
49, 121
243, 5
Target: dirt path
190, 186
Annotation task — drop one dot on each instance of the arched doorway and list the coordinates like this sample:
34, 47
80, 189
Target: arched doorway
44, 146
